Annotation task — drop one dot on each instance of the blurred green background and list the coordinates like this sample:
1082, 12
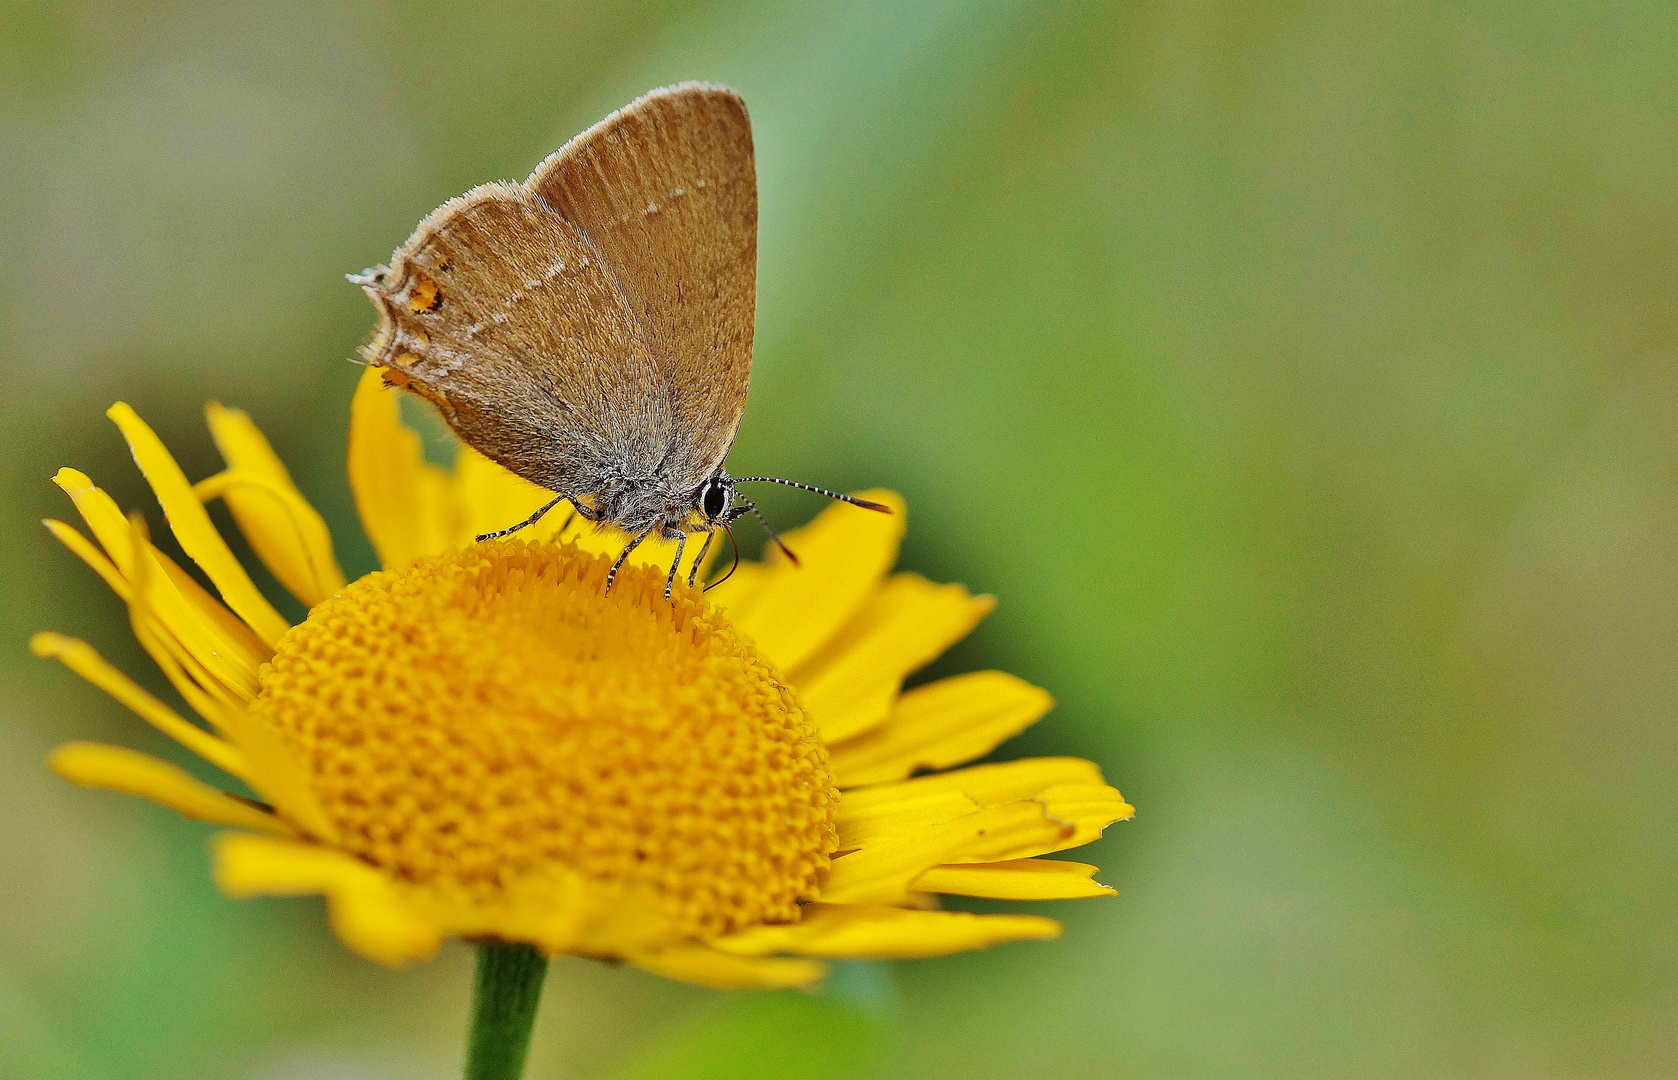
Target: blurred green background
1299, 376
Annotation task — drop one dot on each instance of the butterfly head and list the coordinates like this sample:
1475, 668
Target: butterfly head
719, 502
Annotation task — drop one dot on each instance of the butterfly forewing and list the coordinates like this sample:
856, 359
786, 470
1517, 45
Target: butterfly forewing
503, 316
666, 191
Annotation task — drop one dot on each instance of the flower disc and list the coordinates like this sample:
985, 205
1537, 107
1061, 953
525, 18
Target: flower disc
490, 729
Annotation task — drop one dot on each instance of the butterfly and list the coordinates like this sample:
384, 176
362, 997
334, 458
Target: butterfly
591, 328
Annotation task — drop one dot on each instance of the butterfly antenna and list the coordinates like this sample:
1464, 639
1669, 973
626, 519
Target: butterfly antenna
774, 536
735, 565
854, 501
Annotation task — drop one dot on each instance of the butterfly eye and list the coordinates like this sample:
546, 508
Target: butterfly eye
714, 499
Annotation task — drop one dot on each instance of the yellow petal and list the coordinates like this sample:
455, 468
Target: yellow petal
1079, 813
404, 501
283, 529
705, 966
867, 824
850, 685
985, 784
84, 549
1017, 879
1081, 809
248, 866
941, 724
202, 691
277, 523
842, 555
568, 913
492, 498
192, 527
216, 638
270, 768
207, 695
276, 775
214, 673
375, 923
117, 768
881, 873
876, 932
228, 626
81, 658
1088, 808
741, 585
368, 913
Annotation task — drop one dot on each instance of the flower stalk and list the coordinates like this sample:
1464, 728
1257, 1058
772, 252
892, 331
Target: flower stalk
505, 991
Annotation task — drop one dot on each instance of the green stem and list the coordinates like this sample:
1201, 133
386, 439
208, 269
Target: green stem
505, 990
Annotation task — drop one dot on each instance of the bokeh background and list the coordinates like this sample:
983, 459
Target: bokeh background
1299, 375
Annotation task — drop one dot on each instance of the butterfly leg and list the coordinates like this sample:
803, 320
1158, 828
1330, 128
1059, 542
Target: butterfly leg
526, 523
704, 550
612, 574
681, 539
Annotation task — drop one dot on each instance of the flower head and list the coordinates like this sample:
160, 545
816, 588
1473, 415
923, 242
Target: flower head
478, 741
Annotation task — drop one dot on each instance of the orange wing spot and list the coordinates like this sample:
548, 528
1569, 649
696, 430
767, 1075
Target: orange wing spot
396, 377
425, 296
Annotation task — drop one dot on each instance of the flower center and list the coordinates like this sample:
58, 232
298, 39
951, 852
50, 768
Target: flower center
485, 724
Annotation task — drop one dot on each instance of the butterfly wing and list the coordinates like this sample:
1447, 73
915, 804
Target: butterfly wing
665, 190
504, 316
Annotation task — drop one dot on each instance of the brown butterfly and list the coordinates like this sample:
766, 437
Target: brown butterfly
591, 328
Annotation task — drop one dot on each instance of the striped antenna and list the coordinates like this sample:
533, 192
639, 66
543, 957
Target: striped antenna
773, 535
864, 503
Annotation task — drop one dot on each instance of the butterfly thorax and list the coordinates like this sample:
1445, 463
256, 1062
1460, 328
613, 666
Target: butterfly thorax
637, 504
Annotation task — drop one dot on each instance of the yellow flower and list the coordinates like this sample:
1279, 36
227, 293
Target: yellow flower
476, 742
